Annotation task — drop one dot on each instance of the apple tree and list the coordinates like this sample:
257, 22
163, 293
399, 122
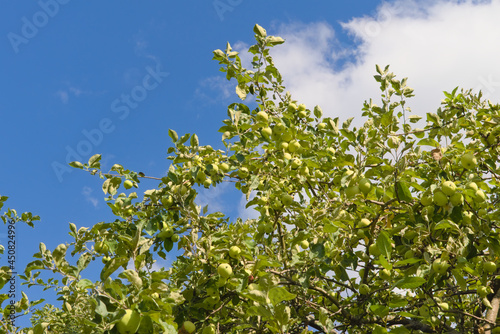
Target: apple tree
377, 228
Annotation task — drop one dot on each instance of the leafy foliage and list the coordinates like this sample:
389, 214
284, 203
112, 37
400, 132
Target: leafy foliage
372, 229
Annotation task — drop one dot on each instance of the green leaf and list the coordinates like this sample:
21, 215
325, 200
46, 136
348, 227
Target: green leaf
85, 284
94, 161
404, 193
76, 164
241, 91
260, 31
379, 310
112, 266
384, 244
279, 294
274, 40
410, 282
173, 135
194, 140
414, 118
428, 142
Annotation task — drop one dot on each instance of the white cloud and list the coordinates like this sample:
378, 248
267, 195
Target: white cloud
63, 96
438, 45
87, 193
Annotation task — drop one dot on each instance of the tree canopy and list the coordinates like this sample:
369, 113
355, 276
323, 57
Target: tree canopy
380, 228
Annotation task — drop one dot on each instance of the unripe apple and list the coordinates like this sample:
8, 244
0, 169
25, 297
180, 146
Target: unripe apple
457, 199
166, 233
364, 289
189, 327
287, 136
440, 198
279, 128
304, 244
490, 266
129, 323
175, 238
266, 132
167, 201
106, 259
448, 187
268, 228
287, 156
321, 126
444, 306
101, 247
424, 311
286, 199
469, 161
373, 250
207, 183
472, 185
293, 146
467, 217
224, 167
225, 270
351, 191
480, 196
234, 252
302, 114
364, 222
331, 150
284, 145
302, 107
483, 291
210, 329
426, 200
385, 274
296, 163
292, 107
440, 266
128, 184
364, 185
261, 117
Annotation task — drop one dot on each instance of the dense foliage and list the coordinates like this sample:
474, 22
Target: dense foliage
372, 229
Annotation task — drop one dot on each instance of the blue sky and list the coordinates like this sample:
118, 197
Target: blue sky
112, 77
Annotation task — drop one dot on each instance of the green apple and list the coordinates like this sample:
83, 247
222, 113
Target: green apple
480, 196
424, 311
279, 128
287, 156
304, 244
166, 233
444, 306
129, 323
351, 191
224, 167
318, 174
482, 212
167, 201
364, 185
440, 198
101, 247
385, 274
262, 117
106, 259
374, 250
448, 187
286, 199
321, 126
128, 184
469, 161
284, 145
440, 266
292, 107
296, 163
210, 329
426, 200
364, 222
293, 146
234, 252
243, 172
467, 217
364, 289
490, 266
183, 190
302, 107
331, 150
287, 136
457, 199
175, 238
207, 183
472, 185
225, 270
266, 132
189, 327
268, 228
483, 291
